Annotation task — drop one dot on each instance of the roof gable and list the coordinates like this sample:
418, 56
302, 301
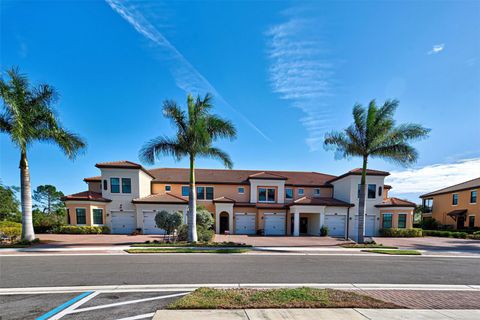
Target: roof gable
470, 184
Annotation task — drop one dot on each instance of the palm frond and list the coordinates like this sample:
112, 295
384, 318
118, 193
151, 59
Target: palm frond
172, 111
161, 146
70, 143
220, 128
216, 153
400, 153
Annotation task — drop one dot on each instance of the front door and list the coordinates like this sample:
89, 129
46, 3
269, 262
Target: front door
223, 224
304, 225
460, 222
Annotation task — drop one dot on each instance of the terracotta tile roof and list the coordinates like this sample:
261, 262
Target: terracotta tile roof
165, 198
320, 201
267, 175
86, 196
270, 205
93, 179
470, 184
223, 200
223, 176
387, 186
358, 171
396, 202
123, 164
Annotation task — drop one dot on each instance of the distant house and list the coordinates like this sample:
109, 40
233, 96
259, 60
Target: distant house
456, 205
126, 197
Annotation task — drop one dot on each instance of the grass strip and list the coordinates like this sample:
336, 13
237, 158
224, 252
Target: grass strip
367, 245
185, 250
395, 252
209, 298
191, 244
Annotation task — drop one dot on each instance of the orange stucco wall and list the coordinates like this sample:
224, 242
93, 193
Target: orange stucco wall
442, 204
89, 213
395, 213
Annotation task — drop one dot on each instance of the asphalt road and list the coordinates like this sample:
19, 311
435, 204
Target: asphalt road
23, 271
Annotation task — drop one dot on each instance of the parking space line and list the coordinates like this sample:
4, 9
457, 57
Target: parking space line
75, 305
63, 306
127, 302
140, 316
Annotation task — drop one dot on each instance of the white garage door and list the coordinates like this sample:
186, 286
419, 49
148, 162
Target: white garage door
274, 224
123, 222
149, 224
335, 225
370, 230
244, 223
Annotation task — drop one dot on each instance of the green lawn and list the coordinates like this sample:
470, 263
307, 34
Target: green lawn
185, 250
208, 298
192, 244
367, 245
395, 252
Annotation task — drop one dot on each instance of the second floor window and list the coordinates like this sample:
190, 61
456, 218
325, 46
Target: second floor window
241, 190
105, 186
288, 193
316, 192
168, 188
371, 189
205, 193
455, 199
379, 191
185, 191
301, 191
126, 185
473, 196
266, 194
115, 185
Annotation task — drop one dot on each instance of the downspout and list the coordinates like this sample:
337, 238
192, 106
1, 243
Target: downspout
348, 223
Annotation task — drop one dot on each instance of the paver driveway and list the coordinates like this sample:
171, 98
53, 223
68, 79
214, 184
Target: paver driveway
262, 241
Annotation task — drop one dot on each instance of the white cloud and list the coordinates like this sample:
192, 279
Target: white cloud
186, 76
433, 177
437, 48
300, 73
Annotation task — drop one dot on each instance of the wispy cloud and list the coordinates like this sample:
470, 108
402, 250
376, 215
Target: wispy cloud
434, 177
186, 76
437, 48
300, 72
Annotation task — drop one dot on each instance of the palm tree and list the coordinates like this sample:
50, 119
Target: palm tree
196, 129
374, 134
28, 117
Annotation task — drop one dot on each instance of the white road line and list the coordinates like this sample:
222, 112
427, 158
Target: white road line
74, 306
140, 316
191, 287
127, 302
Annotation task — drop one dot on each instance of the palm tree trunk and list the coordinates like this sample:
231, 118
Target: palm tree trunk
26, 195
192, 204
361, 203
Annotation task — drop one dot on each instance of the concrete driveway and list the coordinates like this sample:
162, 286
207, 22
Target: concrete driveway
433, 244
279, 241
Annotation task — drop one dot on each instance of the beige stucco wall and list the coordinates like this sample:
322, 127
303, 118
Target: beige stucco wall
442, 204
95, 186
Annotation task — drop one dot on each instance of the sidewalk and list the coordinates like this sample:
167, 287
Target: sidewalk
327, 314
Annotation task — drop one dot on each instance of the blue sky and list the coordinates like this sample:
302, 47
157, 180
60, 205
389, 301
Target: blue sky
284, 72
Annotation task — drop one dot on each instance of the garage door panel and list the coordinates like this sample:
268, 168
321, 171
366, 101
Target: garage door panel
370, 229
274, 225
149, 223
335, 225
123, 222
244, 224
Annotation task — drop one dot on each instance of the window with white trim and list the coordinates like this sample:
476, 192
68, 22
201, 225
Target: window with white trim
241, 190
301, 191
97, 214
81, 214
266, 194
288, 193
316, 192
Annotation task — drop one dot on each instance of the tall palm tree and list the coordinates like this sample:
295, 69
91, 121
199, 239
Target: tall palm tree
197, 129
28, 117
375, 135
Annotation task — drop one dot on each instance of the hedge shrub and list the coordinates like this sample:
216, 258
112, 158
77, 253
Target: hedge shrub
445, 234
10, 231
401, 233
203, 234
81, 229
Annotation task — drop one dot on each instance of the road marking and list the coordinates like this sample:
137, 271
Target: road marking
63, 306
127, 302
74, 306
192, 287
140, 316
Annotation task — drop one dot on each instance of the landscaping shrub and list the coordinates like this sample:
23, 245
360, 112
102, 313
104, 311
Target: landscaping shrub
204, 218
81, 229
445, 234
324, 231
402, 233
203, 234
168, 221
429, 224
10, 224
10, 231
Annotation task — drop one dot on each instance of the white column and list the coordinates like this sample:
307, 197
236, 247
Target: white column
217, 220
230, 221
296, 224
